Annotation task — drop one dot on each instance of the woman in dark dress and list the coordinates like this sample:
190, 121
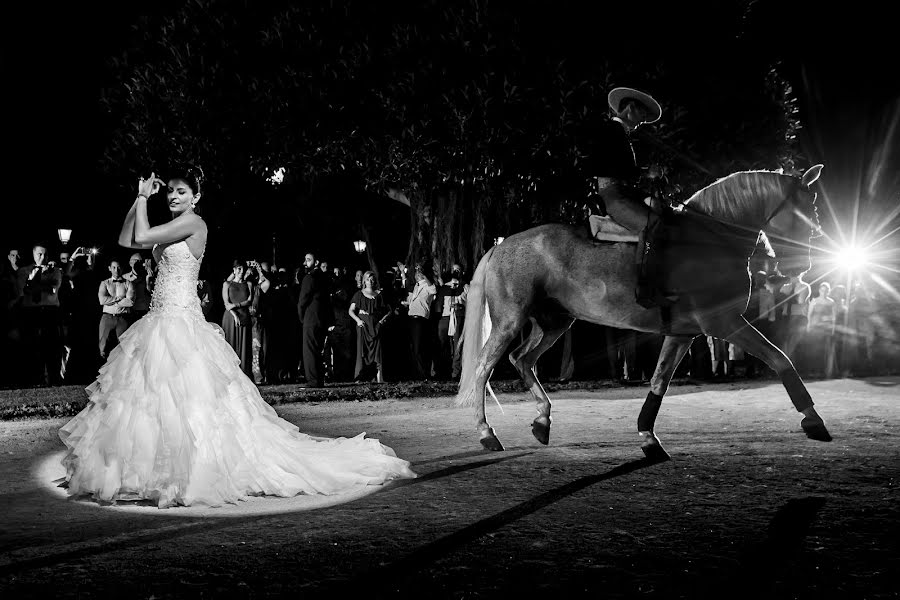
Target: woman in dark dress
237, 294
369, 309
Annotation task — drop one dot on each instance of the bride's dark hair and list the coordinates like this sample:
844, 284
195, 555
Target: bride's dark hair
191, 175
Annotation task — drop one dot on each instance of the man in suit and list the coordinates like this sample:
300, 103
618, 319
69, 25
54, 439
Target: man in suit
38, 286
13, 257
451, 302
9, 275
9, 325
314, 307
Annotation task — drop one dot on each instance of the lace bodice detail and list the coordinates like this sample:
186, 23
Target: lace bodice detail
176, 279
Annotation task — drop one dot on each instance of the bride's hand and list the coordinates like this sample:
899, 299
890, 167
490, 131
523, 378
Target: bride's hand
148, 187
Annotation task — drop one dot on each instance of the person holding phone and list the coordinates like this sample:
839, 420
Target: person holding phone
38, 299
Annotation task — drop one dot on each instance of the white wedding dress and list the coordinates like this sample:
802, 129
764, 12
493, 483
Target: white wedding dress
173, 419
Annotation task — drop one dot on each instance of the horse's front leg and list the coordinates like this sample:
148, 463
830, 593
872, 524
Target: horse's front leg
673, 350
750, 340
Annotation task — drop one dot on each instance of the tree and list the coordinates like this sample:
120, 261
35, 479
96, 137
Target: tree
469, 113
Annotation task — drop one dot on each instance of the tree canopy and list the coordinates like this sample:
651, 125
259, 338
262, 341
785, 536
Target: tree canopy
470, 111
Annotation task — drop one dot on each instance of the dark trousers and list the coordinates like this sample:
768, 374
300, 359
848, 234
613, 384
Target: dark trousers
794, 348
340, 350
700, 359
136, 315
44, 344
621, 353
420, 339
261, 335
443, 356
108, 324
755, 365
313, 339
457, 348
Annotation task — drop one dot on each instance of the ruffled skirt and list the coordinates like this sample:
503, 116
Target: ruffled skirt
173, 419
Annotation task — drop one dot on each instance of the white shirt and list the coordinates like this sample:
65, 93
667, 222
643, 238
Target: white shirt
116, 296
420, 299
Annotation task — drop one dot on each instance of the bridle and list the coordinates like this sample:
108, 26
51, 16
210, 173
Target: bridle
789, 201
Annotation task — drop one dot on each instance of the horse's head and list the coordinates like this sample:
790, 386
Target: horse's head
793, 222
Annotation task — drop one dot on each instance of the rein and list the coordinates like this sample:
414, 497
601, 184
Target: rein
787, 198
786, 201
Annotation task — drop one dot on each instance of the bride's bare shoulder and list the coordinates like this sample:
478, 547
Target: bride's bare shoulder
199, 224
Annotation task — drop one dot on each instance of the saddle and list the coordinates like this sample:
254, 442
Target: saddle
652, 282
605, 229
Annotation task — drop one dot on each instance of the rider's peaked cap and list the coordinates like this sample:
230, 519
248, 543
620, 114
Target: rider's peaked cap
620, 94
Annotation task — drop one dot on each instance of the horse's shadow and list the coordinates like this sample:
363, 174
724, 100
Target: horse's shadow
433, 551
455, 469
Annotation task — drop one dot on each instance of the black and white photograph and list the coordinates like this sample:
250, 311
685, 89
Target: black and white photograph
450, 299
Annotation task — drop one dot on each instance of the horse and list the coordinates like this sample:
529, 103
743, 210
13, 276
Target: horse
553, 274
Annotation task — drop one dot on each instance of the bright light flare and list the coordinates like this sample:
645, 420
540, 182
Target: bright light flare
852, 258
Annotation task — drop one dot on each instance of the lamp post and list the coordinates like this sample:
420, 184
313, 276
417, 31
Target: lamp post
64, 235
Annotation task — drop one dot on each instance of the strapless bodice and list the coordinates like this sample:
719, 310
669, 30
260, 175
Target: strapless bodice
176, 279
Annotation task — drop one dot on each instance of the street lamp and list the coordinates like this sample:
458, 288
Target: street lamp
359, 246
277, 177
64, 235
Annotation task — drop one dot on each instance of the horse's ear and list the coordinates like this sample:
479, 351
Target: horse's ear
811, 175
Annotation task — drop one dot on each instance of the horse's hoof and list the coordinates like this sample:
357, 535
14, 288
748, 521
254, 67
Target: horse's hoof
490, 442
540, 432
653, 449
656, 453
815, 429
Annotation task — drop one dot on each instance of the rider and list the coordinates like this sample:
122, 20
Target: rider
613, 173
611, 166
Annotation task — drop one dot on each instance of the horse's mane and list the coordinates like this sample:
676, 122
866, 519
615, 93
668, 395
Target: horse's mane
741, 196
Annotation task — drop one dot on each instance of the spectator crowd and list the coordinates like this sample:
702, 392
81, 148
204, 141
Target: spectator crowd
318, 323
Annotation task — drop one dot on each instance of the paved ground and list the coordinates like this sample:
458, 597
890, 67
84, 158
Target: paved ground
748, 507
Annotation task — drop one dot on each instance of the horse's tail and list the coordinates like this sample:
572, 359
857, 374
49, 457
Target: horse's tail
476, 330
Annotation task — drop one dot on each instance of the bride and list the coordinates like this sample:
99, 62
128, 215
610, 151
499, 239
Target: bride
173, 419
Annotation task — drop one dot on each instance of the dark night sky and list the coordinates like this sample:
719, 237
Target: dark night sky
54, 131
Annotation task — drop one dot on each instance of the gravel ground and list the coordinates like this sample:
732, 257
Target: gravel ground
747, 508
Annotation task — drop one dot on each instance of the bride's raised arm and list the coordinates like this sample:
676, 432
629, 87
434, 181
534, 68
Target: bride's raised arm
126, 236
175, 230
146, 188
